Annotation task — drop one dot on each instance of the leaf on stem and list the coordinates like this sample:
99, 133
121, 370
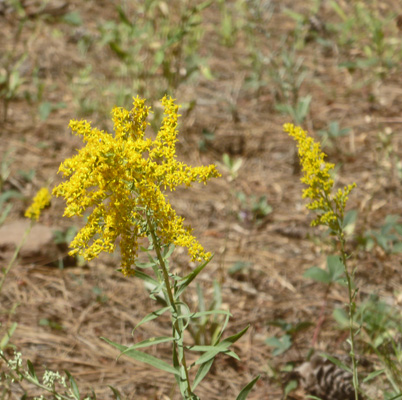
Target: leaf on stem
190, 277
247, 389
221, 347
144, 357
151, 316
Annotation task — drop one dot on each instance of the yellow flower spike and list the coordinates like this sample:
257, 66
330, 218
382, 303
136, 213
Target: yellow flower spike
40, 201
121, 178
316, 175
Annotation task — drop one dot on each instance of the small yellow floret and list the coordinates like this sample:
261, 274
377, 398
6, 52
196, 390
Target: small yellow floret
317, 177
40, 201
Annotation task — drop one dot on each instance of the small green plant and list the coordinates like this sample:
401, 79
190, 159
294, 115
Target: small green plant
228, 29
10, 79
334, 272
365, 30
332, 133
206, 138
11, 61
6, 196
380, 324
388, 237
165, 41
287, 73
299, 111
283, 343
253, 209
231, 165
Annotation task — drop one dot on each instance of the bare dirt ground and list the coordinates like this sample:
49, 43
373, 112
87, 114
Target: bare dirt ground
83, 303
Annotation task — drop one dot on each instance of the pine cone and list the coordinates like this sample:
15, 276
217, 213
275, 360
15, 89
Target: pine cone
320, 377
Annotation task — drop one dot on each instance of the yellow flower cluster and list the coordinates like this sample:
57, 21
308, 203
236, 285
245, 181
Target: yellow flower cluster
40, 201
121, 177
316, 175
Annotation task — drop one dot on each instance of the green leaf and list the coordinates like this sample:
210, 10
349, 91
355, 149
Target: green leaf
148, 342
31, 371
167, 252
7, 336
45, 109
337, 362
317, 274
247, 389
238, 266
73, 385
398, 396
221, 347
189, 278
72, 18
341, 318
337, 8
122, 54
349, 222
123, 17
280, 344
372, 375
336, 268
144, 277
225, 323
202, 371
151, 316
203, 313
145, 358
290, 387
397, 248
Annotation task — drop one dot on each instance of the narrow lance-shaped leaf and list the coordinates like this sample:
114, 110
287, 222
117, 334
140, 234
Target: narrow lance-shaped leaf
144, 277
31, 371
116, 393
190, 277
144, 357
73, 385
151, 316
247, 389
203, 313
202, 371
221, 347
146, 343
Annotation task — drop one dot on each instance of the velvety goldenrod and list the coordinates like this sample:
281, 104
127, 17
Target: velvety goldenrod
40, 201
331, 210
121, 176
316, 175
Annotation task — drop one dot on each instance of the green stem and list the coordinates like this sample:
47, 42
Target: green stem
352, 296
177, 323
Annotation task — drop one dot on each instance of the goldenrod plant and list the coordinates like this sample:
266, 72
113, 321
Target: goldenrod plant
122, 176
330, 209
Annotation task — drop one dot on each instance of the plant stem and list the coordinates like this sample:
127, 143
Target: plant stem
177, 323
351, 299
